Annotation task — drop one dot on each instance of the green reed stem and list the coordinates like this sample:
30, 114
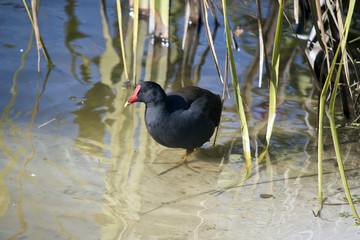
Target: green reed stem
238, 98
332, 106
273, 80
118, 7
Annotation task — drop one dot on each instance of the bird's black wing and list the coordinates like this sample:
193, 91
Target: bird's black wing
197, 99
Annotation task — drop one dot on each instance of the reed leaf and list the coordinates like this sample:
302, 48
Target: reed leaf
296, 11
322, 105
118, 8
47, 56
340, 26
263, 59
321, 123
332, 106
135, 37
163, 10
273, 80
210, 40
322, 31
238, 98
186, 23
36, 28
336, 143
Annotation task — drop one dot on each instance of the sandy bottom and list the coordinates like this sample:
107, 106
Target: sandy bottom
62, 193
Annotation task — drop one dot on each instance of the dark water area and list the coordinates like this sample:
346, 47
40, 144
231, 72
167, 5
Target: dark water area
74, 164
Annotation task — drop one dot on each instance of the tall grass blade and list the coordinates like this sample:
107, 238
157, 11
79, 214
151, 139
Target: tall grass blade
340, 24
118, 7
321, 123
135, 37
238, 98
323, 32
336, 143
47, 56
36, 29
263, 53
261, 59
273, 80
321, 114
210, 40
163, 9
332, 106
296, 11
186, 23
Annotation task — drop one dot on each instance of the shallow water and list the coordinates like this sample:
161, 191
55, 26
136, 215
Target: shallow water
74, 164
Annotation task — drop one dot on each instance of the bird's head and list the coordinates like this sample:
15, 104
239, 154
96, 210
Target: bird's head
147, 92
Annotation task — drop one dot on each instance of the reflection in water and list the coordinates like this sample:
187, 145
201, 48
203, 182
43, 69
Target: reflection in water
13, 153
72, 34
97, 101
30, 156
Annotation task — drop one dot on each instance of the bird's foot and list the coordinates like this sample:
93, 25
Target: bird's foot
211, 169
176, 166
182, 162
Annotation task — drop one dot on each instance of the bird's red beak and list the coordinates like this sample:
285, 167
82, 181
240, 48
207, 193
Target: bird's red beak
133, 97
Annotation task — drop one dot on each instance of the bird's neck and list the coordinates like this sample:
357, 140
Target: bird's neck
159, 105
156, 109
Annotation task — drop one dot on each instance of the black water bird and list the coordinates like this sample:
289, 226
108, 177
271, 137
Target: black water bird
185, 118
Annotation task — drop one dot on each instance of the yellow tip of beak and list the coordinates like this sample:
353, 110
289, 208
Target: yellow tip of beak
126, 104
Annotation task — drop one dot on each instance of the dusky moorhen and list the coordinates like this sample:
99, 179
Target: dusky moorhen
185, 118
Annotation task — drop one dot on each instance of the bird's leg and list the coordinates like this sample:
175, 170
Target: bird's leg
212, 169
183, 161
188, 152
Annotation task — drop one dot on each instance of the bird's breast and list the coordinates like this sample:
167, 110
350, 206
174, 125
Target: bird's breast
180, 129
